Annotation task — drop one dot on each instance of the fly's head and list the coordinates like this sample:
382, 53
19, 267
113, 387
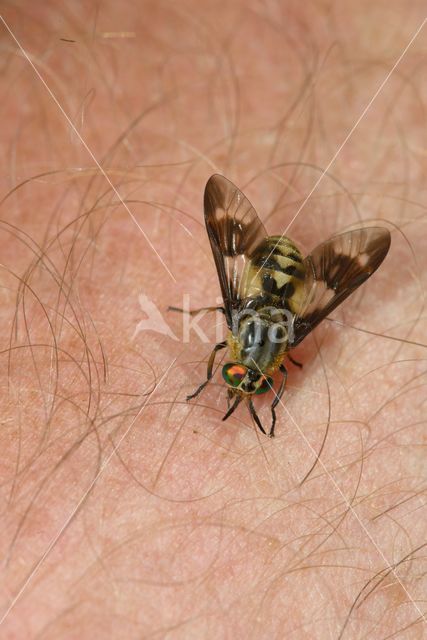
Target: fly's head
242, 380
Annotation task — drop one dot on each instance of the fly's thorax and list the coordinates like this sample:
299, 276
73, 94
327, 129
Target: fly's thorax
276, 271
259, 338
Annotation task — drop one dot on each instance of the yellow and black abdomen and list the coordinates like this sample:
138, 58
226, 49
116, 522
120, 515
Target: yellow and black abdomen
276, 272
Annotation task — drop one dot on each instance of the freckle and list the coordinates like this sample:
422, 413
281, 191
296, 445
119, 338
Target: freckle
273, 544
395, 591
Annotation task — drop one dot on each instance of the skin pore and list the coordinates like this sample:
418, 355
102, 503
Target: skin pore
127, 512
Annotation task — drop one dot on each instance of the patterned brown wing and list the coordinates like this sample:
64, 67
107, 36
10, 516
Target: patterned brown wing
234, 231
334, 270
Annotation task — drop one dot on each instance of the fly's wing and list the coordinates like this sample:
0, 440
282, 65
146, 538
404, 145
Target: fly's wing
334, 270
234, 231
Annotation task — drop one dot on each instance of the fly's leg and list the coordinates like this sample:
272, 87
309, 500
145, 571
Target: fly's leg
276, 400
233, 407
193, 312
230, 396
211, 361
255, 416
295, 362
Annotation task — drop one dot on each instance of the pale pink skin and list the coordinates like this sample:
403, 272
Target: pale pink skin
198, 528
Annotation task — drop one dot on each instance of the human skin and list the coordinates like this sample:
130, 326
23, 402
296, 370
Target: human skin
127, 512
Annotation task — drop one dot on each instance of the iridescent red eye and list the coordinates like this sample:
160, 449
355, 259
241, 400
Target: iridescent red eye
266, 385
233, 373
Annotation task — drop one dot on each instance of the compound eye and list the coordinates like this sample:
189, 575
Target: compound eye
233, 373
266, 385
